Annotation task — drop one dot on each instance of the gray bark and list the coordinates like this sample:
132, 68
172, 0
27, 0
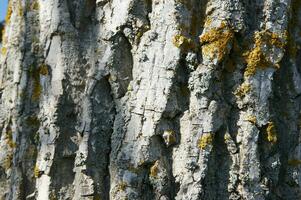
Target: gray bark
151, 99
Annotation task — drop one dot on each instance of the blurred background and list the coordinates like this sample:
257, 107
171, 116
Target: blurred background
3, 6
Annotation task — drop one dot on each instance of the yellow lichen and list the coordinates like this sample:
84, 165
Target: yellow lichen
154, 170
37, 90
182, 42
52, 196
43, 69
36, 86
35, 5
215, 43
8, 13
122, 186
130, 87
205, 140
36, 171
9, 136
294, 162
20, 9
207, 22
251, 119
3, 38
257, 58
112, 78
271, 132
169, 137
8, 161
242, 90
227, 137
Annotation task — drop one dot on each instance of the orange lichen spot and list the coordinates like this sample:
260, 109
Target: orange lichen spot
251, 119
257, 58
154, 170
183, 42
216, 42
294, 162
242, 90
271, 132
205, 140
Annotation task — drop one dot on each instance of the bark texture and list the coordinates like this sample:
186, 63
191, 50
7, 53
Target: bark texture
151, 99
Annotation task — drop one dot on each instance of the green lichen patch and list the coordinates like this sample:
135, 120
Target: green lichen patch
264, 42
205, 140
217, 41
271, 132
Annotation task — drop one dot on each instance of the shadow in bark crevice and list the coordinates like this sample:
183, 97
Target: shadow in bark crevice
99, 147
215, 183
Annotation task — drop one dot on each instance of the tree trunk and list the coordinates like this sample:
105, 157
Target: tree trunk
151, 99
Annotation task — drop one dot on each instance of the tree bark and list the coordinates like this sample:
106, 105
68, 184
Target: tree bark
151, 99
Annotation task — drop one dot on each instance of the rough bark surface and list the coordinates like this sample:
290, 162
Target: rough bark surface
151, 99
